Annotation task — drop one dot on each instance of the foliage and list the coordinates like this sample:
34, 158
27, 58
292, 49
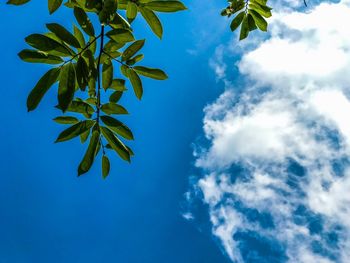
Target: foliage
249, 15
83, 65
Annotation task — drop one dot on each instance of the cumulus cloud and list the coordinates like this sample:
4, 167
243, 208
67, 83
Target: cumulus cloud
277, 172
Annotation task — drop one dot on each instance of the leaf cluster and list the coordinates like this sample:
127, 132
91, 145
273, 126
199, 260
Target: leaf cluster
91, 71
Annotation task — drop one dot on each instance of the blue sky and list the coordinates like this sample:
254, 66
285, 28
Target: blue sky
241, 156
50, 215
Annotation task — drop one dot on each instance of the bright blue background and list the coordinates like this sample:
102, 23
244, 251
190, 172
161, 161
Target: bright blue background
50, 215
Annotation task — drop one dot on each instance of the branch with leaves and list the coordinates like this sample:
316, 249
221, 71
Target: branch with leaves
249, 15
84, 66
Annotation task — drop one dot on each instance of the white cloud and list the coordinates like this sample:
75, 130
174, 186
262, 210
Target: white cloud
296, 111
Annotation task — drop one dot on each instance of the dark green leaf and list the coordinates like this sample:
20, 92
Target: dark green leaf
244, 29
41, 88
116, 144
118, 127
132, 49
66, 87
54, 5
121, 35
136, 83
47, 44
34, 56
75, 130
89, 156
115, 96
84, 21
17, 2
66, 120
107, 74
259, 20
63, 34
106, 166
237, 21
111, 108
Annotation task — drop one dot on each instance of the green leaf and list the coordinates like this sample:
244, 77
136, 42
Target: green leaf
121, 35
82, 73
151, 72
54, 5
89, 156
115, 96
111, 108
118, 127
131, 11
106, 166
132, 49
262, 10
17, 2
47, 44
41, 88
63, 34
152, 20
237, 21
259, 20
118, 85
66, 120
66, 87
34, 56
244, 29
84, 21
107, 74
84, 136
165, 6
136, 83
80, 107
116, 144
79, 36
251, 23
135, 59
75, 130
108, 10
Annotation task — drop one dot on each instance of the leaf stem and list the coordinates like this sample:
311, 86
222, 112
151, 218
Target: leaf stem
98, 104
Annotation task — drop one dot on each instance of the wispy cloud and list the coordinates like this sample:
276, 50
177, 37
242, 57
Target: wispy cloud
276, 173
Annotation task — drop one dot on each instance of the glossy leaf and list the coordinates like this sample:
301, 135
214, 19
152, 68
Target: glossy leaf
53, 5
17, 2
151, 72
84, 21
165, 6
237, 21
107, 74
152, 20
111, 108
132, 49
66, 120
63, 34
34, 56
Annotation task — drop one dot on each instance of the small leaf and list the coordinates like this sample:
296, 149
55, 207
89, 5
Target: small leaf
63, 34
47, 44
79, 36
66, 120
84, 21
34, 56
237, 21
111, 108
17, 2
54, 5
116, 144
259, 20
115, 96
89, 156
151, 72
244, 29
152, 20
118, 127
66, 87
132, 49
107, 74
118, 85
75, 130
106, 166
165, 6
121, 35
41, 88
131, 11
136, 83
